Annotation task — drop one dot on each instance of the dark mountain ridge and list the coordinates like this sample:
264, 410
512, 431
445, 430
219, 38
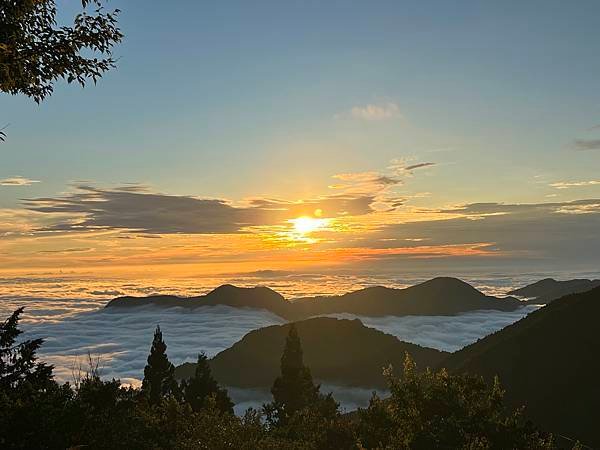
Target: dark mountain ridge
338, 351
549, 289
439, 296
547, 361
258, 297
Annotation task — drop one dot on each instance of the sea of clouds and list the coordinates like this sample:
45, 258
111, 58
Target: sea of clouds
449, 333
69, 314
121, 338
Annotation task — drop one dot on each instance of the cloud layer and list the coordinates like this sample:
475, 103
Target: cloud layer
374, 112
571, 184
122, 339
587, 144
449, 333
92, 209
17, 181
562, 232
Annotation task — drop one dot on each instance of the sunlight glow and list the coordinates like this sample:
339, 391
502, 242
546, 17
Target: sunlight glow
305, 225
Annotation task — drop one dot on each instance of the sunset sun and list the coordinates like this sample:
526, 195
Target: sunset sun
306, 225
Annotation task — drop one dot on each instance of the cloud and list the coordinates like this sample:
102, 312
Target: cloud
122, 339
68, 250
402, 166
555, 233
448, 333
349, 398
364, 182
570, 184
374, 112
587, 144
136, 210
419, 166
17, 181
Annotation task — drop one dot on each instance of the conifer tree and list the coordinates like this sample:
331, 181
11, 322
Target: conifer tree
18, 363
294, 389
202, 385
158, 374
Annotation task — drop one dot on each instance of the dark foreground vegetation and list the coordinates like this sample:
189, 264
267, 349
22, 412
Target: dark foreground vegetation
425, 410
548, 362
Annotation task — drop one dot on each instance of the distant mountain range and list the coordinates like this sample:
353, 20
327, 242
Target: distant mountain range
548, 289
229, 295
548, 361
439, 296
338, 351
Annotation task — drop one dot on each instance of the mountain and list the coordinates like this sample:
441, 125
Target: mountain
338, 351
255, 297
549, 362
439, 296
549, 289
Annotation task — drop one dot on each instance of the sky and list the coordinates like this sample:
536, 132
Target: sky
314, 136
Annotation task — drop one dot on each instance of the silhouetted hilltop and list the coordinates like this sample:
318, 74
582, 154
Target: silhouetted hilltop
439, 296
549, 362
338, 351
548, 289
255, 297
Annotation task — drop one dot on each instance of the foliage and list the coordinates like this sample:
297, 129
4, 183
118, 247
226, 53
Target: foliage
18, 366
299, 412
425, 410
158, 379
28, 393
437, 410
198, 389
548, 358
294, 389
35, 51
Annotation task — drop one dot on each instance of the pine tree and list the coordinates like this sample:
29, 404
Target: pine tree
18, 364
294, 389
202, 385
158, 374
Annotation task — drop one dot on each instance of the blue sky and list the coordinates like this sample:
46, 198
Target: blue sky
232, 100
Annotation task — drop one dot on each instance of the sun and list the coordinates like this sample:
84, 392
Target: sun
305, 225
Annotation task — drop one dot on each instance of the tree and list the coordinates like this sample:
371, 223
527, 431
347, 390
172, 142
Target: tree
294, 389
437, 410
299, 414
198, 389
28, 394
158, 379
18, 364
35, 52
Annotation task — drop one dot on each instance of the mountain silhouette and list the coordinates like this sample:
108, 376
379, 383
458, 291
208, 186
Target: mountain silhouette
338, 351
259, 297
547, 361
549, 289
439, 296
